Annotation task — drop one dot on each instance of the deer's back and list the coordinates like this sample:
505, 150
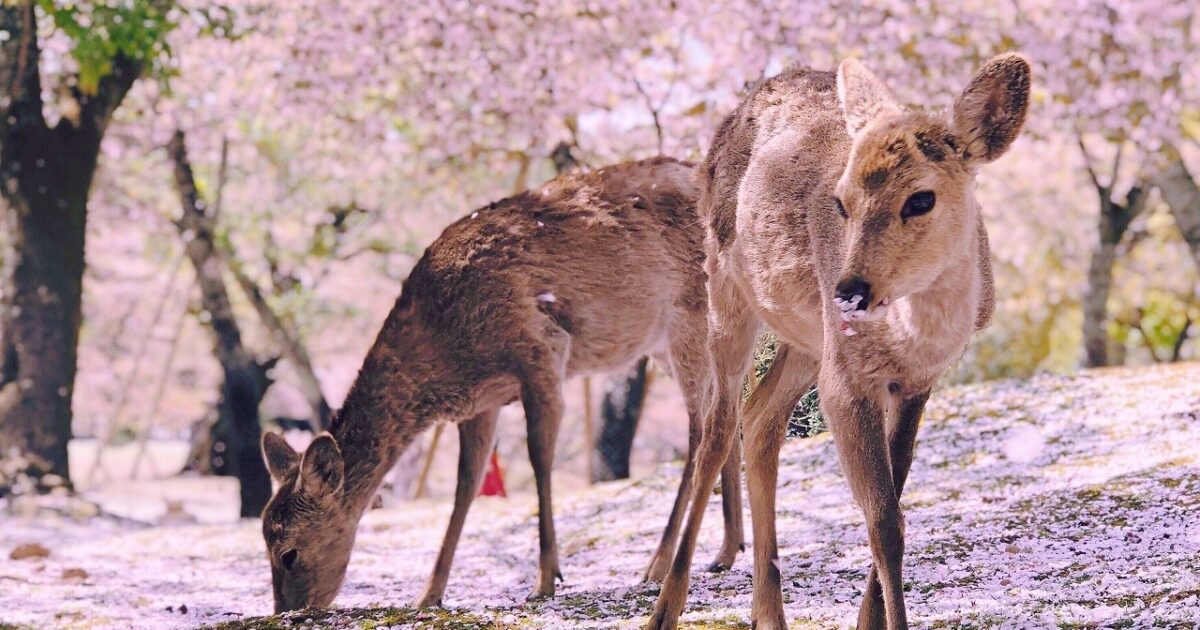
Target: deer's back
767, 195
611, 257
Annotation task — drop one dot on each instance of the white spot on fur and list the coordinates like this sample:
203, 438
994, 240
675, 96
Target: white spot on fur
547, 297
474, 214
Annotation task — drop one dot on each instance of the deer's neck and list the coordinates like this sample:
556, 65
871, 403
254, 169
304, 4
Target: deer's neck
933, 325
370, 448
387, 407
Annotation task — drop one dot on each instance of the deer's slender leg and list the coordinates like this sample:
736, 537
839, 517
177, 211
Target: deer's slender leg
732, 326
541, 396
902, 436
765, 421
731, 509
662, 556
476, 437
857, 424
691, 366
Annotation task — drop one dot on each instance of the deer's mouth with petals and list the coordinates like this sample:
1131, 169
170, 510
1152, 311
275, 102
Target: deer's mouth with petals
854, 309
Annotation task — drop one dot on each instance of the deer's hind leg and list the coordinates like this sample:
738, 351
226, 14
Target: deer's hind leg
765, 419
731, 342
666, 545
542, 368
690, 364
731, 509
476, 437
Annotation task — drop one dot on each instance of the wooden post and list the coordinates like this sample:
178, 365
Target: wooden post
433, 442
589, 437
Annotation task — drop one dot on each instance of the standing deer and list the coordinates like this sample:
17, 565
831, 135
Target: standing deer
849, 225
585, 275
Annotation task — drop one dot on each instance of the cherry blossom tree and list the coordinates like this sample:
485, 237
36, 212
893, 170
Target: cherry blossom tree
1117, 76
408, 115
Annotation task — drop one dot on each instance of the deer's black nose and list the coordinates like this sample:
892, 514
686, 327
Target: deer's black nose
850, 288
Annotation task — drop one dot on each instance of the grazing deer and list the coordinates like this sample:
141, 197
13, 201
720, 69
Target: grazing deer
849, 225
584, 275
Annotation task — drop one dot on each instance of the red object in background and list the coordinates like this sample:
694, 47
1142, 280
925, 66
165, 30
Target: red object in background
493, 481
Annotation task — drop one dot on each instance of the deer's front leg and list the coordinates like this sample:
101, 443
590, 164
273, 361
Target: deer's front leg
857, 424
476, 437
902, 436
541, 395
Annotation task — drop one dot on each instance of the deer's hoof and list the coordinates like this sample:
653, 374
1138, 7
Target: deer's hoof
662, 619
775, 621
656, 572
540, 594
724, 559
719, 566
428, 600
546, 586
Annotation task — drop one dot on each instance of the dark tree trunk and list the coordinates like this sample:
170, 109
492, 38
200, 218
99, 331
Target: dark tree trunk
245, 379
1181, 193
1114, 220
1095, 299
45, 175
46, 207
620, 411
290, 345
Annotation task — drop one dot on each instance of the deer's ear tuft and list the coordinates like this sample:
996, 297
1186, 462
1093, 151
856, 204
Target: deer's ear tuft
989, 113
862, 96
281, 458
321, 469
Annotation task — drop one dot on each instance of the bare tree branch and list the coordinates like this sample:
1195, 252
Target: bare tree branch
1181, 192
1177, 349
96, 110
19, 54
658, 130
288, 342
1116, 166
221, 173
1087, 163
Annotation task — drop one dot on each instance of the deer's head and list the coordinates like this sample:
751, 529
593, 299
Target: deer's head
907, 193
308, 527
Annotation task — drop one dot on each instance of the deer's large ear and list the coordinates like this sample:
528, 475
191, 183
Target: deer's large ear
321, 469
990, 111
862, 96
281, 458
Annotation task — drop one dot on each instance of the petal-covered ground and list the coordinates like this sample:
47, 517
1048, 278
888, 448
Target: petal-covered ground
1069, 502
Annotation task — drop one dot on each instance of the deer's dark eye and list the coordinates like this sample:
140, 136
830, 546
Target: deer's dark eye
917, 204
840, 208
288, 558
